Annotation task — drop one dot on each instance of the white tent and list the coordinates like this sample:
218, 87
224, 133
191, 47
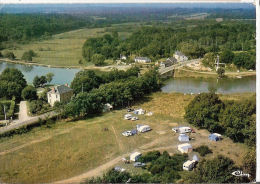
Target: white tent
143, 128
183, 138
134, 156
185, 148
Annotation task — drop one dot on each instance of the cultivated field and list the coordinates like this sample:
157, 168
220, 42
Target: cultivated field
69, 149
65, 49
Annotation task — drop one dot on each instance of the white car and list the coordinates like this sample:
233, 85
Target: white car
128, 116
134, 118
127, 133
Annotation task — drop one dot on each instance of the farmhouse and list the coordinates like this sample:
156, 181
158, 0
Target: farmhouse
185, 148
134, 156
169, 62
180, 56
142, 60
61, 93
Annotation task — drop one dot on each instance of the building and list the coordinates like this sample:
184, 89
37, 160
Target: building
142, 60
215, 137
143, 128
180, 56
134, 156
168, 62
61, 93
185, 148
183, 138
189, 165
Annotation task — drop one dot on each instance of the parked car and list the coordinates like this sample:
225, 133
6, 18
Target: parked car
134, 118
128, 116
119, 169
139, 164
127, 133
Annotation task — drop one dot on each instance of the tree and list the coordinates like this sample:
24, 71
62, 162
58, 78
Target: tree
98, 59
203, 111
216, 170
12, 83
227, 56
249, 163
1, 55
29, 93
9, 55
28, 55
39, 81
221, 72
49, 77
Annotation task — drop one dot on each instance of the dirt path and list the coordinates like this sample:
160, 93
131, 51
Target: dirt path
23, 116
117, 140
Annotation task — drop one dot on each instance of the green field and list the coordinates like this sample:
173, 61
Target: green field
64, 49
71, 148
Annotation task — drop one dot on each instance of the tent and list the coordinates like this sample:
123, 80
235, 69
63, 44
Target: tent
183, 138
195, 157
143, 128
214, 137
185, 148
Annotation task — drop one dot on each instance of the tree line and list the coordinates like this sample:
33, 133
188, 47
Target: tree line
235, 119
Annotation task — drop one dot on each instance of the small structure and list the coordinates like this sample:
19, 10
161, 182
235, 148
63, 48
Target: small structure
215, 137
182, 130
142, 60
139, 111
107, 107
143, 128
169, 62
180, 56
185, 148
183, 138
134, 156
189, 165
61, 93
122, 57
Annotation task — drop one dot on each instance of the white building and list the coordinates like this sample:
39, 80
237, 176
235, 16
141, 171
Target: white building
185, 148
180, 56
60, 93
142, 60
189, 165
134, 156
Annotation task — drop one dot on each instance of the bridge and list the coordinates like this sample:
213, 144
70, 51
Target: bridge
166, 70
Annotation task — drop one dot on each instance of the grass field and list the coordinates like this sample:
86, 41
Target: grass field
62, 49
72, 148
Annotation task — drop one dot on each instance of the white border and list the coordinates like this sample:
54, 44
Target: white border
257, 90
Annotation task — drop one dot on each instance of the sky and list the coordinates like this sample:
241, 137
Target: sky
110, 1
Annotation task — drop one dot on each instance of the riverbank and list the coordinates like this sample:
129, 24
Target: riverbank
183, 72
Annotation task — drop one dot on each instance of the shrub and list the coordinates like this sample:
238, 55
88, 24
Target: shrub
203, 150
29, 93
9, 55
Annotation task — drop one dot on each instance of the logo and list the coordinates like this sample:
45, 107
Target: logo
240, 173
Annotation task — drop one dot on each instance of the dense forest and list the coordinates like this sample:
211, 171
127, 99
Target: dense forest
162, 41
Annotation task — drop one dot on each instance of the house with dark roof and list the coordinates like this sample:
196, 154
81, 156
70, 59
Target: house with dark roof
142, 60
180, 56
61, 93
168, 62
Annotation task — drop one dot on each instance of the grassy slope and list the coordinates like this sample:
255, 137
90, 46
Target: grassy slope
63, 49
71, 148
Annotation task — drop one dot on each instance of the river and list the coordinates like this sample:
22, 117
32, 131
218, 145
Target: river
182, 85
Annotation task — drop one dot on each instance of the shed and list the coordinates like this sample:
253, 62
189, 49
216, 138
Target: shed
185, 148
134, 156
189, 165
215, 137
183, 138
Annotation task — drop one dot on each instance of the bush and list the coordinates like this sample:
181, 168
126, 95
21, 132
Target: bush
9, 55
27, 56
9, 109
203, 150
39, 107
29, 93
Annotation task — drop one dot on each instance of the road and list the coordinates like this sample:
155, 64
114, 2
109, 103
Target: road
24, 119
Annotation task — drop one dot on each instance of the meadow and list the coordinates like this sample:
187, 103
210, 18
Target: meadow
68, 149
65, 49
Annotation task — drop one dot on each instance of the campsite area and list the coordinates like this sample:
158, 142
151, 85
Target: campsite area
68, 149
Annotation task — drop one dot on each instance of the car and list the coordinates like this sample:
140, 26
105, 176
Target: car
134, 118
139, 164
119, 169
127, 133
128, 117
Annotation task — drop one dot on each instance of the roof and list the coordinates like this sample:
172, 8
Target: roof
143, 58
60, 89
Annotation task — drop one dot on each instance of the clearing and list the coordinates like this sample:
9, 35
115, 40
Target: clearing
72, 151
